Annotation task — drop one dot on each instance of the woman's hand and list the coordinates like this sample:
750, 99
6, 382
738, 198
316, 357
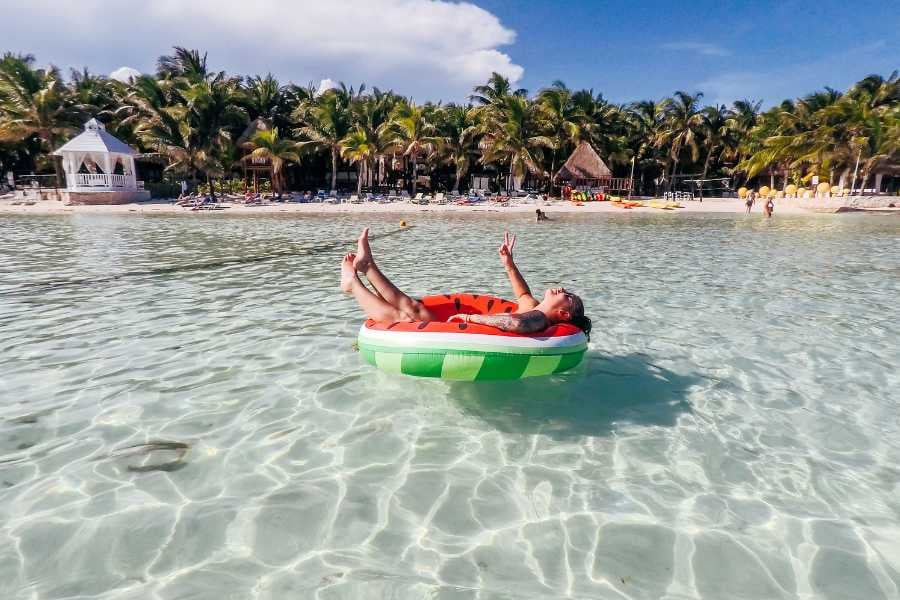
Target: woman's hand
506, 249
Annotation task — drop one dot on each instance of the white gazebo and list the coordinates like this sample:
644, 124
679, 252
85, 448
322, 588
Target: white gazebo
96, 161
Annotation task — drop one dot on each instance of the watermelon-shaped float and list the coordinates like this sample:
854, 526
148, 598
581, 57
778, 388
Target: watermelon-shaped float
469, 351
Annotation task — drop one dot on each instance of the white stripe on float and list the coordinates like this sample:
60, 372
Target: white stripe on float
415, 339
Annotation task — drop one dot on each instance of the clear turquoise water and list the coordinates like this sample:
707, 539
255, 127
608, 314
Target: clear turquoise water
183, 415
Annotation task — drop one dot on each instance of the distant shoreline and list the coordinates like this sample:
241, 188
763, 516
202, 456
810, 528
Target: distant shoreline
711, 205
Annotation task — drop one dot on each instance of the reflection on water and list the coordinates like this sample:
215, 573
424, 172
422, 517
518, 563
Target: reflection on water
187, 417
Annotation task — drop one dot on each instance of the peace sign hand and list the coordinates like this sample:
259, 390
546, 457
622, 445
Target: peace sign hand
506, 249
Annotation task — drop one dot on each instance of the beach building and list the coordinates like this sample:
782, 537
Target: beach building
585, 170
884, 178
255, 168
99, 168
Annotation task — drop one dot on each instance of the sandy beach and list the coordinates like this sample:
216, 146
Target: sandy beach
713, 205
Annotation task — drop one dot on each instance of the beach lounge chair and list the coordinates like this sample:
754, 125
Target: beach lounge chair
418, 198
438, 199
354, 199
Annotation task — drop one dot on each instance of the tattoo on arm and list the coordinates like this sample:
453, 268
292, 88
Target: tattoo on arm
528, 322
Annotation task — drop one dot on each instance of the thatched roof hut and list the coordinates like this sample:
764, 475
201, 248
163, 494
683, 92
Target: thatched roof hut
583, 164
255, 166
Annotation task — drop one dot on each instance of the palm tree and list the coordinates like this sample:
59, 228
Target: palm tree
34, 103
565, 119
494, 92
606, 126
512, 138
267, 145
714, 131
411, 130
681, 130
190, 121
644, 121
458, 139
326, 121
741, 118
265, 98
359, 148
370, 113
182, 63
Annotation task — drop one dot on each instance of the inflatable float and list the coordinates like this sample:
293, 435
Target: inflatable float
468, 351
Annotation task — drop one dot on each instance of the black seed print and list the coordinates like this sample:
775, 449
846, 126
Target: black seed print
508, 309
490, 304
474, 296
392, 325
422, 325
456, 303
462, 325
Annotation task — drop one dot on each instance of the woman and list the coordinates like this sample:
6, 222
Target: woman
388, 304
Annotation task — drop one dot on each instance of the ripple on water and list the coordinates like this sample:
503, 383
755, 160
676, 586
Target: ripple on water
184, 414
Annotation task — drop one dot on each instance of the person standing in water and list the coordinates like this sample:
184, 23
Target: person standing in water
770, 207
750, 197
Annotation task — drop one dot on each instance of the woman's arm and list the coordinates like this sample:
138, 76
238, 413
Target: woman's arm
519, 285
527, 322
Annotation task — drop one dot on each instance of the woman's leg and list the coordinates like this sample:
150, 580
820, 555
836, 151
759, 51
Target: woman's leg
383, 286
374, 306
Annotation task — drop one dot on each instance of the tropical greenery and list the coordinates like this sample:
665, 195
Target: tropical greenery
191, 118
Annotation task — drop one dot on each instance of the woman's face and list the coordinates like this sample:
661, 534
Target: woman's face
560, 303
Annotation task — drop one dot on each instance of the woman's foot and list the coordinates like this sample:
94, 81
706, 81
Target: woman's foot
363, 252
348, 273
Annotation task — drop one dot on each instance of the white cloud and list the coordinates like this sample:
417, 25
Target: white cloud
703, 48
325, 85
428, 48
124, 74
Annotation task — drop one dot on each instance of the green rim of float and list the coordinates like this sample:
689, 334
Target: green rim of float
470, 357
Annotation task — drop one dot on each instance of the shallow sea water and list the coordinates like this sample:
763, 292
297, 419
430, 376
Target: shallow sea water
183, 413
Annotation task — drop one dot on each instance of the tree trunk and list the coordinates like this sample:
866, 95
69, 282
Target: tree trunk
334, 161
855, 170
552, 172
703, 177
670, 176
57, 172
359, 177
212, 189
674, 173
771, 179
456, 181
415, 173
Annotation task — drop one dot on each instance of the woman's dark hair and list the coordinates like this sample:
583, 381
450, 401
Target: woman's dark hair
583, 323
579, 319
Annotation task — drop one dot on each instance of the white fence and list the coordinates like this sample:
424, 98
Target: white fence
100, 181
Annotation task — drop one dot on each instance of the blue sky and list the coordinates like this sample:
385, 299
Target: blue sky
763, 49
438, 49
